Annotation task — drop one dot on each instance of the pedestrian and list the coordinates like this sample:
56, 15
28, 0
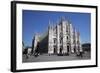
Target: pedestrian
81, 54
37, 50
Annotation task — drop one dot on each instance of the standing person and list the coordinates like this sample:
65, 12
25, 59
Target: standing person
37, 50
26, 53
81, 53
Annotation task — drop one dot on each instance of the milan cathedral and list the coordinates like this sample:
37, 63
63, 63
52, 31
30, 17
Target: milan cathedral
62, 38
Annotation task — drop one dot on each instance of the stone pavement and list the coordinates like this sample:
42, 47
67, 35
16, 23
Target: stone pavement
46, 58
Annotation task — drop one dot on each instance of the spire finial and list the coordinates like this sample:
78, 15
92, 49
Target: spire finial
49, 22
62, 18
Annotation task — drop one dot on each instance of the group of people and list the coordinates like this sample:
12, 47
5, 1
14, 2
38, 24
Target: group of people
79, 54
28, 52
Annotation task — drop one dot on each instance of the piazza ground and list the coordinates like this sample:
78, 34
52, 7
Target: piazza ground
47, 58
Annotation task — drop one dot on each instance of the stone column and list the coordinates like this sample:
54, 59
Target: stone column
50, 40
64, 36
79, 42
71, 38
76, 42
58, 40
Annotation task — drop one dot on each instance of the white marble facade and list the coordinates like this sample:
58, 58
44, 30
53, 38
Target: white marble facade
63, 38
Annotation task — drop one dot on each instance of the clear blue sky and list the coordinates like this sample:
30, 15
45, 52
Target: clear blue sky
37, 22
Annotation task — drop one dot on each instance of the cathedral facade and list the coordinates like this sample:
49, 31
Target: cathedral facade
62, 38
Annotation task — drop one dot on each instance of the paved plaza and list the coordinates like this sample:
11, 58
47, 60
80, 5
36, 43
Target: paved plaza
46, 58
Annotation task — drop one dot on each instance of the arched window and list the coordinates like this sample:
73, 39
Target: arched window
55, 40
61, 39
67, 38
77, 42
